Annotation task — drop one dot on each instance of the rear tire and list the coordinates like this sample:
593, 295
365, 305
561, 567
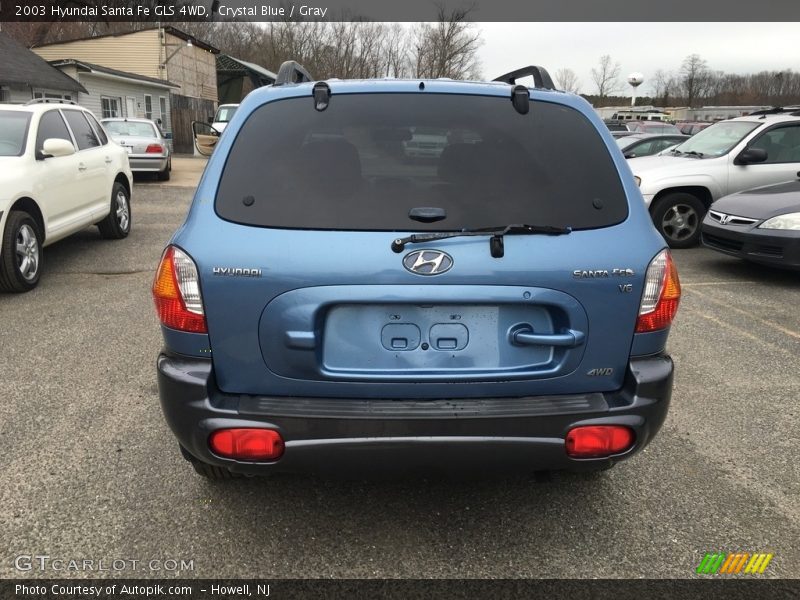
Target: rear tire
117, 224
678, 216
21, 256
165, 174
210, 472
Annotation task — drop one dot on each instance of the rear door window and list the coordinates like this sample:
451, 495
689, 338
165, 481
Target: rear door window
84, 135
101, 134
368, 159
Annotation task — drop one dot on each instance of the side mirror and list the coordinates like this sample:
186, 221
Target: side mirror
210, 120
630, 155
751, 155
158, 121
55, 147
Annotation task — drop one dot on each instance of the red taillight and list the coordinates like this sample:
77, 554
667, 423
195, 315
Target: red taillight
247, 444
662, 293
597, 441
155, 149
176, 291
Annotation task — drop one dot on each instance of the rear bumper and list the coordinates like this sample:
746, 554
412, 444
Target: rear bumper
324, 435
141, 163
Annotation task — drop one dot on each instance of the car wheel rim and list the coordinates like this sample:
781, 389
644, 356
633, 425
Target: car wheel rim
680, 222
123, 211
27, 249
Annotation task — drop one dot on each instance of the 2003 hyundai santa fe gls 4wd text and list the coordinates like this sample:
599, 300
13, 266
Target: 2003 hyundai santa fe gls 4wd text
503, 302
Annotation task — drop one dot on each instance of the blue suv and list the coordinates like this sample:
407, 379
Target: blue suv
334, 300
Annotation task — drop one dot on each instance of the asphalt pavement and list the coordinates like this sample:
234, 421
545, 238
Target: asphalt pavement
91, 472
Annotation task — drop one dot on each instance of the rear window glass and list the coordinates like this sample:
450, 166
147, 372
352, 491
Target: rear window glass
225, 114
368, 159
13, 131
130, 128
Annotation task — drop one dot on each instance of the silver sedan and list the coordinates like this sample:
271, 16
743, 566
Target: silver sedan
147, 147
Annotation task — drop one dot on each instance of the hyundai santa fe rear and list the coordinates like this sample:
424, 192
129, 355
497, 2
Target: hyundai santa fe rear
503, 302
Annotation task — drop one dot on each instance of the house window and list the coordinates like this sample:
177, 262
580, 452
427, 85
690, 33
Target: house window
54, 96
148, 107
162, 105
5, 94
110, 107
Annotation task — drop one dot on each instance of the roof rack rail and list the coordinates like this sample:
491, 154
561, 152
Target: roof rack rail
50, 101
292, 72
541, 78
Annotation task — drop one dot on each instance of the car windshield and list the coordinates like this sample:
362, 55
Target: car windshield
718, 139
225, 114
13, 127
130, 128
626, 141
369, 159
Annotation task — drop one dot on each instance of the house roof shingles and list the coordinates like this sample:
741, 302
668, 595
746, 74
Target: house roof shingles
86, 66
20, 66
227, 63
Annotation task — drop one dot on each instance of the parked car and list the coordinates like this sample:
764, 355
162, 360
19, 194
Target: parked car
653, 127
727, 157
223, 116
761, 225
647, 144
692, 127
615, 125
59, 174
622, 133
328, 304
425, 143
148, 149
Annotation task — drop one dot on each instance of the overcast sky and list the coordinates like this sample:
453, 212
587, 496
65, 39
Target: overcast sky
642, 47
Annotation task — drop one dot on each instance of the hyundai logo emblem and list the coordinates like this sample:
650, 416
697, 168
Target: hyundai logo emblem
428, 262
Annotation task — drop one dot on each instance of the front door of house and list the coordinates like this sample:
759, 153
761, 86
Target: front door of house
130, 107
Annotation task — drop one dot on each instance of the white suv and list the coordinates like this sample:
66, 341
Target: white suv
59, 173
730, 156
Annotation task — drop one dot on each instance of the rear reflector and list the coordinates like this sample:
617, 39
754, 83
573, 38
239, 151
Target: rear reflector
247, 444
155, 149
176, 291
662, 293
597, 441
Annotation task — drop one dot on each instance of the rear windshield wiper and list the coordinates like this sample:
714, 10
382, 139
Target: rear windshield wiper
496, 246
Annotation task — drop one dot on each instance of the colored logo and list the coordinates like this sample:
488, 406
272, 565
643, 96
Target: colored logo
734, 563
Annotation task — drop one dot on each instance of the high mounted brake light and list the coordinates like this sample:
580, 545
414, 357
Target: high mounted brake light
662, 293
176, 292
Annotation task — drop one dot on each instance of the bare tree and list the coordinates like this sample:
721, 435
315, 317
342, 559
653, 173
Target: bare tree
567, 80
447, 48
606, 76
395, 51
694, 78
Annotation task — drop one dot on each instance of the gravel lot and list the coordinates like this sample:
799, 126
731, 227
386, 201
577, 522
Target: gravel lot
92, 472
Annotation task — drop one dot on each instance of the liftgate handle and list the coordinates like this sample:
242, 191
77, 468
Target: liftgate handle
524, 336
